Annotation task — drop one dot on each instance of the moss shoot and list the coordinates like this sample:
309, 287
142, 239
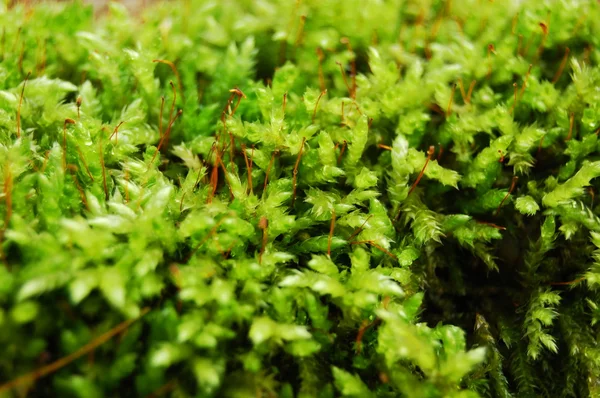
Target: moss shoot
264, 198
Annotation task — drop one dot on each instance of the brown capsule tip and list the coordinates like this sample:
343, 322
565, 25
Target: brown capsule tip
174, 269
263, 223
79, 100
69, 121
238, 92
544, 27
491, 48
384, 378
431, 150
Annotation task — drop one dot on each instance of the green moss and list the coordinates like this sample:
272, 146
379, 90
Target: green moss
355, 198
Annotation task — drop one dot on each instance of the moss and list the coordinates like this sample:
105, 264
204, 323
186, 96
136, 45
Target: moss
265, 198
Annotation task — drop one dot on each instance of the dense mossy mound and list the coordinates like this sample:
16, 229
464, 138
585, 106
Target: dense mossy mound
260, 198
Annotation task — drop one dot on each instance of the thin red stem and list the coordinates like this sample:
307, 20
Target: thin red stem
181, 203
248, 167
571, 123
31, 377
300, 34
214, 181
101, 153
545, 31
317, 105
563, 63
512, 187
525, 81
82, 158
321, 56
165, 136
67, 121
489, 224
160, 116
339, 159
463, 94
20, 104
220, 161
375, 245
520, 46
78, 104
116, 133
359, 229
540, 145
174, 69
568, 283
430, 153
471, 86
345, 79
295, 172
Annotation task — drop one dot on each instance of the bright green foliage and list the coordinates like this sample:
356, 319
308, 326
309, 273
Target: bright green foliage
573, 187
540, 314
300, 199
527, 205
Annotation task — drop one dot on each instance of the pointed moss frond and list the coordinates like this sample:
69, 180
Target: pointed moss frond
573, 187
424, 223
540, 316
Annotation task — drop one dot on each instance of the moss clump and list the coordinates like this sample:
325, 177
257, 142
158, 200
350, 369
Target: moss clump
269, 198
